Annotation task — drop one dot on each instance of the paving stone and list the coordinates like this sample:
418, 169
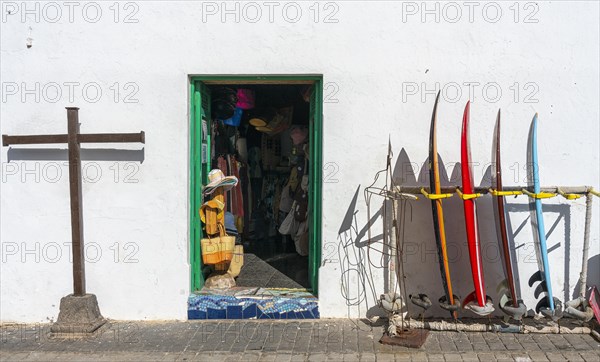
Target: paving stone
559, 341
577, 341
590, 356
268, 357
503, 356
258, 338
510, 342
367, 356
435, 357
273, 338
448, 347
592, 342
521, 357
283, 356
317, 357
481, 347
288, 338
452, 357
415, 356
365, 341
335, 357
385, 348
486, 357
349, 337
301, 346
351, 357
231, 358
555, 356
572, 356
299, 357
385, 357
14, 356
402, 356
335, 337
537, 356
318, 340
530, 346
469, 356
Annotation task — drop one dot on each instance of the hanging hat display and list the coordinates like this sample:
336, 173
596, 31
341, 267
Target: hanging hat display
245, 98
273, 121
224, 100
217, 179
258, 122
298, 135
236, 119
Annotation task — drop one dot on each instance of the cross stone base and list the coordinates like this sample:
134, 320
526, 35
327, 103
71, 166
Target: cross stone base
79, 315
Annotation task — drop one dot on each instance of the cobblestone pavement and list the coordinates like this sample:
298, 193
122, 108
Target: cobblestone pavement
247, 340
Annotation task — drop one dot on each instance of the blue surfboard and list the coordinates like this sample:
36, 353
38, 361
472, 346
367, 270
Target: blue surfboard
544, 274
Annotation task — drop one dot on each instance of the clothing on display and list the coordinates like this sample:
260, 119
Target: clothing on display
257, 138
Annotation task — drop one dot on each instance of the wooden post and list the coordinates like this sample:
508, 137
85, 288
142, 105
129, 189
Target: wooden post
76, 204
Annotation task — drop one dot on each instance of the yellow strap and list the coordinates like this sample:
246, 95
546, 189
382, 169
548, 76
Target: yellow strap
568, 196
435, 196
594, 192
541, 195
467, 196
504, 193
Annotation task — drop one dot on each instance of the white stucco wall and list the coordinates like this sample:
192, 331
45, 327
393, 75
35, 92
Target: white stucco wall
381, 63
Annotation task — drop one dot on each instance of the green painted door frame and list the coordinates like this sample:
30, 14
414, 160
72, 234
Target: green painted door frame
200, 163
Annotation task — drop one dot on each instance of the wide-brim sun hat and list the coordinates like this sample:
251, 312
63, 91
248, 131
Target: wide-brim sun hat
258, 122
217, 179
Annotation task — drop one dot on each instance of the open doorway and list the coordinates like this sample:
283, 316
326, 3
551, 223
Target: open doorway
266, 132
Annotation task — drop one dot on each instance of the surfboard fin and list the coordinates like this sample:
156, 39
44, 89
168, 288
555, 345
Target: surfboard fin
445, 304
421, 300
506, 306
538, 276
470, 303
543, 307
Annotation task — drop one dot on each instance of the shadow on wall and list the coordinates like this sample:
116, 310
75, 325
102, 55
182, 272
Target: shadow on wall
54, 154
363, 257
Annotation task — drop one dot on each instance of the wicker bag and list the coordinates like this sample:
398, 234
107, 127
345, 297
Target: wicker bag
218, 249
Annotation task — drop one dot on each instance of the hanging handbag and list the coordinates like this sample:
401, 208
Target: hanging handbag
289, 226
218, 249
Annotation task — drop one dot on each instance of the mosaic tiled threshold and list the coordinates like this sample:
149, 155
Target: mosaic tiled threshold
253, 303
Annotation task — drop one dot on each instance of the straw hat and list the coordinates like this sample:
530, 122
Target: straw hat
217, 179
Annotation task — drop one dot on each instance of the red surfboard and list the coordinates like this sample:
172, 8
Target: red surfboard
473, 240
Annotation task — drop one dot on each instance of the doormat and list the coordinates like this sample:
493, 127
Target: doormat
253, 303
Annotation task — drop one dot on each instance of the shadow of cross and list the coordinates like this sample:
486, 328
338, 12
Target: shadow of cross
73, 138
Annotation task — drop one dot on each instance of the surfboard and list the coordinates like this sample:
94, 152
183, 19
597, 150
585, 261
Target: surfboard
448, 301
470, 210
510, 305
543, 275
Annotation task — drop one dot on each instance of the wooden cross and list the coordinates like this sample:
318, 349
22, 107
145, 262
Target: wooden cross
73, 138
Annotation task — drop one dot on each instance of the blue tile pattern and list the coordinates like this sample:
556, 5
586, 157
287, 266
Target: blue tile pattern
230, 307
